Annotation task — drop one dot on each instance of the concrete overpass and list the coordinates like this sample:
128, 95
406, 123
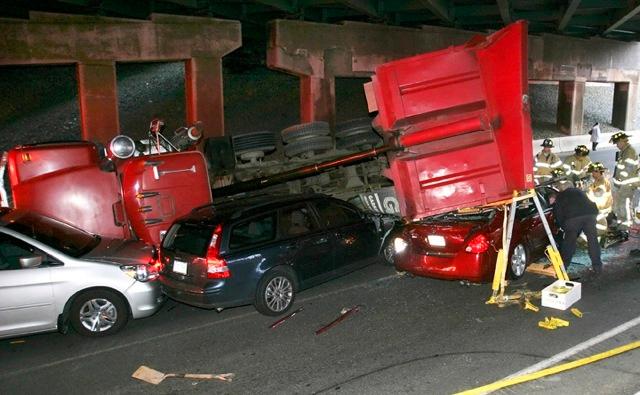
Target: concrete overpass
315, 52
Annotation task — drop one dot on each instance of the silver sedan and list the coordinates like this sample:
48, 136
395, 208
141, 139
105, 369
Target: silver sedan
52, 275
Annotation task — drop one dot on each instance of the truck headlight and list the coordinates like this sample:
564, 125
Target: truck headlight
122, 147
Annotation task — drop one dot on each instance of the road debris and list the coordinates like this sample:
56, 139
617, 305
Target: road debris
530, 306
344, 313
283, 319
155, 377
576, 312
18, 342
552, 323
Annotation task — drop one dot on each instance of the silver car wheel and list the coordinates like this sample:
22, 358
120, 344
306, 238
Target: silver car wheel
518, 260
278, 294
98, 315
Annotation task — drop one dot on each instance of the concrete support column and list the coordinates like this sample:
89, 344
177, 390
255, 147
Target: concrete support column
317, 99
98, 98
625, 96
205, 103
570, 107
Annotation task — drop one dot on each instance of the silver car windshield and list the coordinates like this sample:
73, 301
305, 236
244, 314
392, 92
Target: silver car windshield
65, 238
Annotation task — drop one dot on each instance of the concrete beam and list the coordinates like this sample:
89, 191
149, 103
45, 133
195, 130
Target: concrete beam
355, 49
568, 14
571, 107
627, 15
625, 97
294, 46
98, 99
439, 8
367, 7
204, 94
505, 12
555, 57
352, 49
95, 44
56, 38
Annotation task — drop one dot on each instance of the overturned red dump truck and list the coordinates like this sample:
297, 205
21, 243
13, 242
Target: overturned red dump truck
462, 116
455, 122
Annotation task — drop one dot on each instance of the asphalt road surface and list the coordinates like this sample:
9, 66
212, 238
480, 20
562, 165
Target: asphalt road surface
411, 335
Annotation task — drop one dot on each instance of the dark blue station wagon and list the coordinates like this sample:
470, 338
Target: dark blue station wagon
262, 250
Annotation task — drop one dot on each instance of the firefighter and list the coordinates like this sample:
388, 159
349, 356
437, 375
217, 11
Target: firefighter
545, 162
599, 192
625, 181
576, 166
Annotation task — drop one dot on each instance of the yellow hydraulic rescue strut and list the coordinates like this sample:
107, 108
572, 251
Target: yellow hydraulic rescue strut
499, 282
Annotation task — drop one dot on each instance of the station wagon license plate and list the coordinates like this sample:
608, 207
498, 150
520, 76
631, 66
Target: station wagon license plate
180, 267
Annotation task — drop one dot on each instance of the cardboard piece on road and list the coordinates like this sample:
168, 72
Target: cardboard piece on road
543, 269
155, 377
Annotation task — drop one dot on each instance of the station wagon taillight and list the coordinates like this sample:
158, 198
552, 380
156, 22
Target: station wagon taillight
478, 244
216, 266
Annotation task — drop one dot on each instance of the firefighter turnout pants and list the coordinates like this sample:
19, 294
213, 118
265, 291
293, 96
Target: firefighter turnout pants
622, 205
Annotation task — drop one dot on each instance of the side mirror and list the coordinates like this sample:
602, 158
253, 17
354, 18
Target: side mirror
30, 261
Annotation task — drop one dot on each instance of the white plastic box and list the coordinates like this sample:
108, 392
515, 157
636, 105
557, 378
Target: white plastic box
561, 294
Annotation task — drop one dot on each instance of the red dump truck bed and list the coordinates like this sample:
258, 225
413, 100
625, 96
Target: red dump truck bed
462, 116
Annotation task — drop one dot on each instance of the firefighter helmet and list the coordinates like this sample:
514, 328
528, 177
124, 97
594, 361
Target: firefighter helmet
596, 166
558, 173
618, 136
547, 143
582, 150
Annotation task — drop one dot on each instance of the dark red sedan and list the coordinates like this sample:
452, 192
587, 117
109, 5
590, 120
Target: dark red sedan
463, 245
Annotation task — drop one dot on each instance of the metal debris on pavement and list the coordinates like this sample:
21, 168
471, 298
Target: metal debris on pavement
344, 313
552, 323
283, 319
155, 377
530, 306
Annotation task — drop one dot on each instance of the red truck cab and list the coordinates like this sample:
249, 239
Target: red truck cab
137, 197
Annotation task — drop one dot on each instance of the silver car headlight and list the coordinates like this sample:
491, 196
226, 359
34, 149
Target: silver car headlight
140, 272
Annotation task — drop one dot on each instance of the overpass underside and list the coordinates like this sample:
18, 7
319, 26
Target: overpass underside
316, 53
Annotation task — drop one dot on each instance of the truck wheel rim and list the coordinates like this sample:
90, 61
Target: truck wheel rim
519, 260
98, 315
278, 294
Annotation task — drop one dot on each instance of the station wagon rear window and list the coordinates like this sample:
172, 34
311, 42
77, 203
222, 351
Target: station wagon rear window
189, 238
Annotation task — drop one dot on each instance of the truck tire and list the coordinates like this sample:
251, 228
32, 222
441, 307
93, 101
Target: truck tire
358, 141
292, 133
353, 127
255, 141
311, 144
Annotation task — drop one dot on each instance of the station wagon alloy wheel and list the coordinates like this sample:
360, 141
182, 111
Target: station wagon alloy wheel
276, 291
279, 294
